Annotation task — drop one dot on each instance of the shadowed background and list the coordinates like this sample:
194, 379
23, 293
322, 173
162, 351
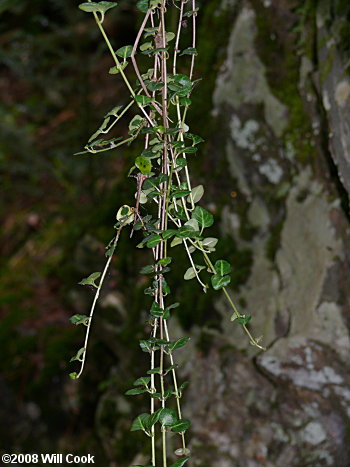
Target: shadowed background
273, 107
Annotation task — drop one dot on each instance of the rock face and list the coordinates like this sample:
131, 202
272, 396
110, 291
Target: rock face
334, 81
284, 93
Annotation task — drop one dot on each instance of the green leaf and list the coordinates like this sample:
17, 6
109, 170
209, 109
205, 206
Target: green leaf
125, 214
179, 343
197, 193
180, 193
135, 391
154, 371
158, 50
167, 417
180, 163
73, 375
114, 112
141, 422
155, 85
187, 231
143, 5
143, 164
100, 129
153, 241
189, 14
143, 381
185, 101
210, 242
176, 241
180, 426
187, 150
189, 274
124, 52
195, 139
149, 269
91, 279
149, 291
189, 51
156, 310
94, 7
79, 355
182, 80
154, 418
180, 462
155, 340
158, 395
143, 100
180, 213
204, 217
165, 261
166, 234
154, 3
218, 282
79, 319
154, 182
222, 267
168, 309
244, 319
172, 367
136, 123
114, 70
146, 46
173, 305
150, 32
183, 385
145, 346
193, 223
169, 36
110, 251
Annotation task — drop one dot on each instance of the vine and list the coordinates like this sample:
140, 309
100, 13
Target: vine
163, 97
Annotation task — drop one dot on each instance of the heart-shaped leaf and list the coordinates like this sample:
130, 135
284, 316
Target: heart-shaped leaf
222, 267
124, 52
91, 279
204, 217
180, 462
79, 319
180, 426
97, 7
135, 392
179, 343
143, 381
143, 5
79, 355
167, 417
197, 193
143, 164
141, 422
156, 310
153, 241
218, 282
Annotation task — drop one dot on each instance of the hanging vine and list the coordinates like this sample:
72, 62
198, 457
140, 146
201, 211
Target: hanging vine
170, 216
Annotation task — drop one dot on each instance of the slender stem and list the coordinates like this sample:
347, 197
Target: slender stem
118, 64
177, 41
95, 301
153, 389
175, 385
236, 312
194, 34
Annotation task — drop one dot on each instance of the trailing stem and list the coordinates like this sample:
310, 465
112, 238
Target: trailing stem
166, 213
